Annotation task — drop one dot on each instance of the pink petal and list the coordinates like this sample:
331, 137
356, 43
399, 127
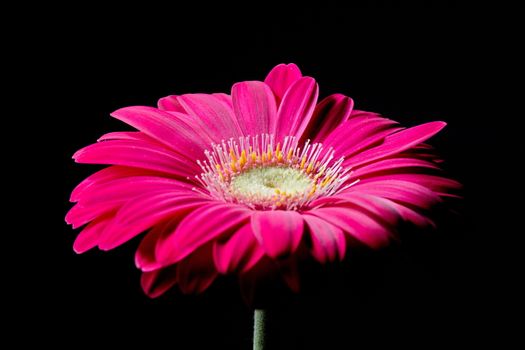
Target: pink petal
122, 135
197, 271
106, 175
398, 142
133, 136
440, 185
257, 278
422, 151
379, 207
370, 137
328, 115
238, 253
167, 128
136, 154
216, 116
359, 134
157, 282
281, 77
89, 237
81, 214
356, 121
390, 164
145, 258
101, 176
264, 275
411, 215
254, 106
278, 231
328, 241
225, 99
128, 187
400, 191
109, 196
102, 197
289, 271
356, 223
145, 211
201, 226
296, 108
171, 104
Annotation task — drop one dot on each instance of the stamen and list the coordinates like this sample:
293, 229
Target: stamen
254, 171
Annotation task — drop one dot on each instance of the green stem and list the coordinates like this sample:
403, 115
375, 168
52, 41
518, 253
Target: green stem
259, 329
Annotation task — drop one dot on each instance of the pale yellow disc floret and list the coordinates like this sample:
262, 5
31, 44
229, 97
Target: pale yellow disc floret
266, 182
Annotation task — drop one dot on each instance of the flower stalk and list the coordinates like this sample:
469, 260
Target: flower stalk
260, 318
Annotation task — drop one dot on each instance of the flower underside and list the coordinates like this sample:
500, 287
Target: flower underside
262, 174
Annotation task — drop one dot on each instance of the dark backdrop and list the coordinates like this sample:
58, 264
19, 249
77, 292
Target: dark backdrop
412, 64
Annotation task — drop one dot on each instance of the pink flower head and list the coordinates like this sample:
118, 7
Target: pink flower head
241, 183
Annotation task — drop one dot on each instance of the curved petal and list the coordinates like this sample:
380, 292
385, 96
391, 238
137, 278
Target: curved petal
136, 154
369, 137
124, 135
110, 196
296, 108
89, 237
380, 208
216, 117
400, 191
398, 142
391, 164
238, 253
411, 215
360, 133
109, 174
278, 231
289, 271
356, 223
257, 278
264, 275
255, 108
80, 215
281, 77
145, 258
145, 211
171, 104
155, 283
328, 241
128, 187
168, 128
197, 271
225, 99
201, 226
331, 112
440, 185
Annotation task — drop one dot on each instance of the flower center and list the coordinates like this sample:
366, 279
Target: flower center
261, 174
271, 181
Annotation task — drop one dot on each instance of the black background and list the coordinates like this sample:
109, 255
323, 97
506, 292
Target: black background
412, 64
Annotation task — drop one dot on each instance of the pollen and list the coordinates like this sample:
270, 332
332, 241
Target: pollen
264, 175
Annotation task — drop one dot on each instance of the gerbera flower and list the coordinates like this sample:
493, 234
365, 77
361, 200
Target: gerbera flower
240, 183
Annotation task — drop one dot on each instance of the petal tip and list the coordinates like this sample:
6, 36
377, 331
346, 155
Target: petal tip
79, 247
77, 250
76, 155
441, 124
